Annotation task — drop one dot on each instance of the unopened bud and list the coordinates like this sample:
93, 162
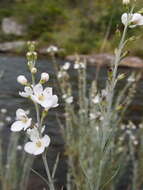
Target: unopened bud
34, 70
31, 56
121, 76
22, 80
126, 2
44, 77
31, 46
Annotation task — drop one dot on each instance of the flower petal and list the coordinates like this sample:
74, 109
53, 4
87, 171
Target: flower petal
46, 140
48, 91
17, 126
20, 113
55, 101
28, 90
39, 150
30, 147
27, 124
124, 18
33, 134
24, 94
38, 89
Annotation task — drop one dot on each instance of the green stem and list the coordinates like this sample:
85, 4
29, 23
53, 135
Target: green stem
99, 175
51, 184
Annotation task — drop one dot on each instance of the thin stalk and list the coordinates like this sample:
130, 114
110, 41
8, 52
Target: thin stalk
99, 175
39, 121
51, 184
112, 85
35, 172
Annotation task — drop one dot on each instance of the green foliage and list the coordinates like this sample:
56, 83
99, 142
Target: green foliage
89, 24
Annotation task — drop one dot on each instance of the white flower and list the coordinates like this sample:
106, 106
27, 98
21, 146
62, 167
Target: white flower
92, 116
8, 119
27, 92
134, 19
3, 110
61, 74
104, 93
131, 79
23, 122
69, 100
1, 124
66, 66
37, 146
76, 66
19, 147
79, 65
44, 97
44, 77
52, 49
22, 80
126, 2
96, 99
33, 133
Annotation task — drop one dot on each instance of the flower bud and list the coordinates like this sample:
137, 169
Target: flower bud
31, 55
44, 77
22, 80
31, 46
126, 2
121, 76
34, 70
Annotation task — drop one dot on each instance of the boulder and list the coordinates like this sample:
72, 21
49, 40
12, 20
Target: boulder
12, 46
11, 26
103, 59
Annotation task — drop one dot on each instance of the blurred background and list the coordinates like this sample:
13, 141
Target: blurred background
76, 26
82, 26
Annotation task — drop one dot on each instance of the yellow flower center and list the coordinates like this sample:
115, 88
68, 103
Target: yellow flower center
24, 120
38, 144
41, 97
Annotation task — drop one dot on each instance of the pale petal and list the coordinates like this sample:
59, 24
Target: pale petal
48, 91
20, 113
17, 126
141, 21
39, 150
27, 124
30, 147
50, 102
137, 19
55, 101
38, 89
46, 140
33, 134
24, 94
124, 18
28, 90
34, 98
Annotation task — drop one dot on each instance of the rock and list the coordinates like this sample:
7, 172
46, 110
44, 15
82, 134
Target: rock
11, 26
12, 46
103, 59
43, 50
131, 61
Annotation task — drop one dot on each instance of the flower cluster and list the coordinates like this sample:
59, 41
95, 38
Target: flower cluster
126, 2
46, 99
134, 19
43, 100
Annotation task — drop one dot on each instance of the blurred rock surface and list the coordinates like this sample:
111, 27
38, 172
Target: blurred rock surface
103, 59
12, 26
